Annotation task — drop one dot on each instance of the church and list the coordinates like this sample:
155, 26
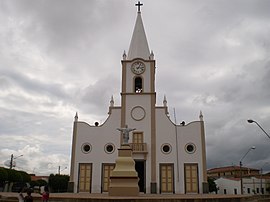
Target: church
169, 157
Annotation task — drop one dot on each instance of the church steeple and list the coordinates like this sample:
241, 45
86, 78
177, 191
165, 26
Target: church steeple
138, 46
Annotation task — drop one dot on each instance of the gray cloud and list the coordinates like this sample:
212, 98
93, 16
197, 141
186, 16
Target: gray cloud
60, 57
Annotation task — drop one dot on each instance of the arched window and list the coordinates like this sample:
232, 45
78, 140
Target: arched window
138, 85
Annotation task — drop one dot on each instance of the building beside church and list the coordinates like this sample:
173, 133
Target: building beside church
228, 180
169, 158
232, 171
251, 185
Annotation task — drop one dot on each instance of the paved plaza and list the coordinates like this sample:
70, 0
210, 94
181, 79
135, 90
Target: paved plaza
82, 197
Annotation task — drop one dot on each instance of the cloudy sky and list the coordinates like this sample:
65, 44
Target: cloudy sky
62, 57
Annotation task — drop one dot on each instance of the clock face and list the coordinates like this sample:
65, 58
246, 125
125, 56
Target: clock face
137, 68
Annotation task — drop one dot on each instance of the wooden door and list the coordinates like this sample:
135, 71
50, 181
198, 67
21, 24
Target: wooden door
106, 173
191, 178
166, 178
137, 137
137, 142
85, 177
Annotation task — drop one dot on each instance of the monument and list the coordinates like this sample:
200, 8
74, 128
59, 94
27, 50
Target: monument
125, 132
124, 178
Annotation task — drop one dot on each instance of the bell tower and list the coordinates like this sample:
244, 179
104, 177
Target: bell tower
138, 67
138, 95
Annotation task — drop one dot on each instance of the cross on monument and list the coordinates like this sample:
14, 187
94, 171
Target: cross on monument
139, 6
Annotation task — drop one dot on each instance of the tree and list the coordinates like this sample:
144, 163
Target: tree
212, 185
42, 182
14, 176
25, 177
34, 183
58, 183
38, 183
3, 175
16, 179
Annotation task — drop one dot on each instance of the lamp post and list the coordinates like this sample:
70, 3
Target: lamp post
11, 160
241, 176
59, 169
252, 121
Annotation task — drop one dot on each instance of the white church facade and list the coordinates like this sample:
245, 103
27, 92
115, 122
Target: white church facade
169, 158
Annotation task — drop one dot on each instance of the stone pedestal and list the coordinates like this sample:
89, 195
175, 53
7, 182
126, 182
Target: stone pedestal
124, 178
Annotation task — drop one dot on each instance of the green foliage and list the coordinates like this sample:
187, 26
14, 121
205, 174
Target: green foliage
38, 183
3, 175
14, 176
25, 177
212, 185
42, 182
34, 183
58, 183
17, 179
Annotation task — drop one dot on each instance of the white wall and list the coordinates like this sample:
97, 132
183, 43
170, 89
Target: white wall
228, 185
252, 184
98, 137
190, 133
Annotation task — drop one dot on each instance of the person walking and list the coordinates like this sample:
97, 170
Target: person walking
20, 196
28, 197
45, 194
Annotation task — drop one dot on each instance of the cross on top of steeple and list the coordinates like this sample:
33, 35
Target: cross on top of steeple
139, 6
138, 47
